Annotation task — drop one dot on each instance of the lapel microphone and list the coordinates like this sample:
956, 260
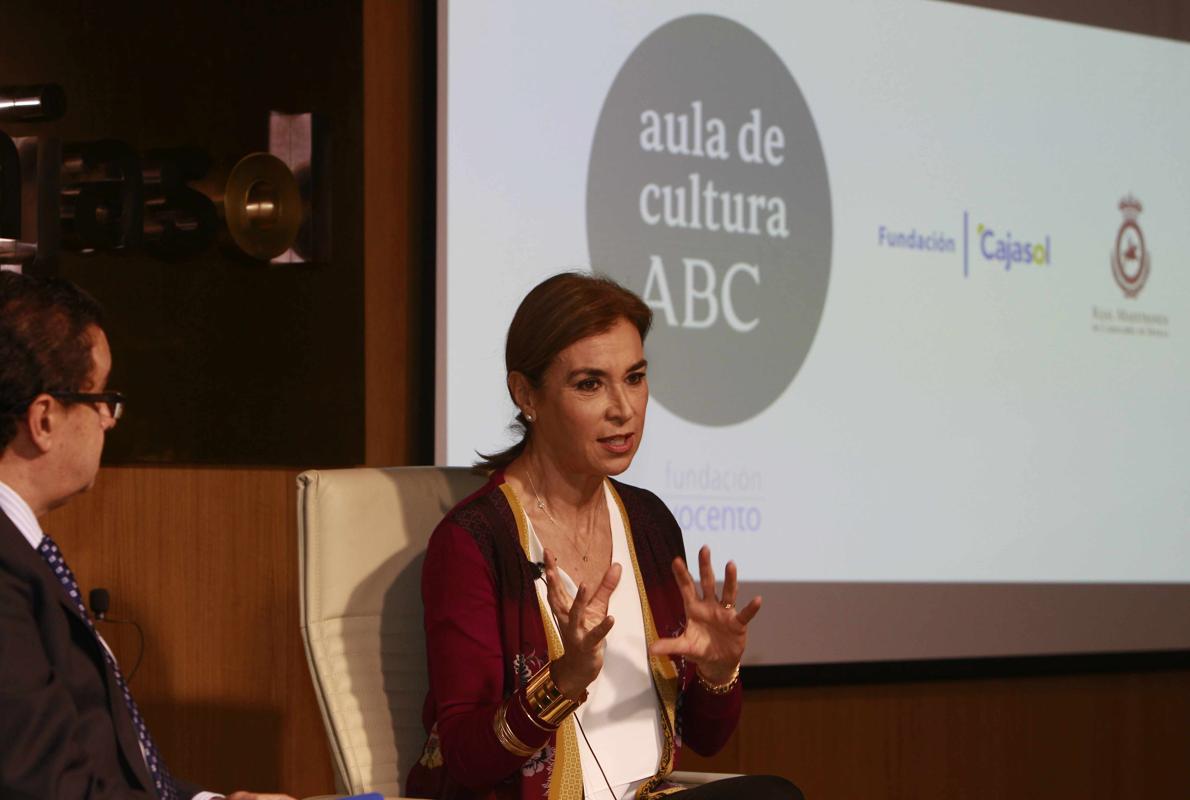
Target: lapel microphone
100, 601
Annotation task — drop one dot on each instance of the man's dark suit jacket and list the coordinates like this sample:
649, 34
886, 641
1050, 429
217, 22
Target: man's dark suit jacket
65, 731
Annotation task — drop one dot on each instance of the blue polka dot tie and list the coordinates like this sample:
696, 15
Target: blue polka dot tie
161, 777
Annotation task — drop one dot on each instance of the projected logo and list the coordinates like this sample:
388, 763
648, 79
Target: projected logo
1003, 248
1130, 258
707, 194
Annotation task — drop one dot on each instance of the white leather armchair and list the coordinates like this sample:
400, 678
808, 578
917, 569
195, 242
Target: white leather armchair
362, 535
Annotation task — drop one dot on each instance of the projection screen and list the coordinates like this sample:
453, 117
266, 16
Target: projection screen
920, 275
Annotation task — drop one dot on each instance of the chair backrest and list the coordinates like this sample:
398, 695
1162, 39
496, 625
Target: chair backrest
362, 535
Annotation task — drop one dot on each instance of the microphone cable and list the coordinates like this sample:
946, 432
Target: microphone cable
539, 571
100, 600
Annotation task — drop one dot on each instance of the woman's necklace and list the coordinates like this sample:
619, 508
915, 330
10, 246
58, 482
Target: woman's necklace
542, 506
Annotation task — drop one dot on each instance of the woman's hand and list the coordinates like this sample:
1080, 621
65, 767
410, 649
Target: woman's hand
716, 631
583, 625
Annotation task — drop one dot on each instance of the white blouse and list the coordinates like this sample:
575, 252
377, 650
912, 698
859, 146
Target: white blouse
621, 718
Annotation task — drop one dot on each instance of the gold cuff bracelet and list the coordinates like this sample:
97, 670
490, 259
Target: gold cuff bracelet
546, 700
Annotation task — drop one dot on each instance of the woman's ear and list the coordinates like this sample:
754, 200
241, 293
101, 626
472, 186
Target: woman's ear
522, 393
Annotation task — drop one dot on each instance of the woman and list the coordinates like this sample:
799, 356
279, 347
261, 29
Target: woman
570, 652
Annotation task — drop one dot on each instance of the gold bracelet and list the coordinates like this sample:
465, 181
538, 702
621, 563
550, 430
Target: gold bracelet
720, 688
546, 700
508, 740
529, 714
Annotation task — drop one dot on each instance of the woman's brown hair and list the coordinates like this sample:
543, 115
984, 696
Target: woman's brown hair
555, 314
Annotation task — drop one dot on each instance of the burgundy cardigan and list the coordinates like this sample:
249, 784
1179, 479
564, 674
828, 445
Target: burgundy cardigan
485, 638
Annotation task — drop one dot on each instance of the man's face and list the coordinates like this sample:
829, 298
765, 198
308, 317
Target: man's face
85, 426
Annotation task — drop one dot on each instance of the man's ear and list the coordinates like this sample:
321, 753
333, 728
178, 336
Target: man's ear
42, 419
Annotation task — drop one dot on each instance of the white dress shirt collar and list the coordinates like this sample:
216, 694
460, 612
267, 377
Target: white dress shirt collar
17, 510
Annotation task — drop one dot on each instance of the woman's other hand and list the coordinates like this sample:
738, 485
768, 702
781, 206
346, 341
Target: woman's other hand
583, 625
716, 631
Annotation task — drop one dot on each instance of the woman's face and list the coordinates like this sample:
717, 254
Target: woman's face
589, 412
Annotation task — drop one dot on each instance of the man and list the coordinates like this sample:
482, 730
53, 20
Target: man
69, 728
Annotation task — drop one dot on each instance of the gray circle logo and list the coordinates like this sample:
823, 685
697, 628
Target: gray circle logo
707, 195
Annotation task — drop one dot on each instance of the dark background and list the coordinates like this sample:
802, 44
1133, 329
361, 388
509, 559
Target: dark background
225, 360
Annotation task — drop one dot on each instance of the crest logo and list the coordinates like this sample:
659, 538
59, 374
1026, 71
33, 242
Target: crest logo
1130, 258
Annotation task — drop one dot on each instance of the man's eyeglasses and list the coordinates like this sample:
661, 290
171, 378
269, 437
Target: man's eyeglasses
111, 402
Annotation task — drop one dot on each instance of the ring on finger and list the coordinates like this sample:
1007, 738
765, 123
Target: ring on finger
728, 605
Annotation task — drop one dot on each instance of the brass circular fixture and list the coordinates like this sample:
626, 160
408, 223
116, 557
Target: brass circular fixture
263, 206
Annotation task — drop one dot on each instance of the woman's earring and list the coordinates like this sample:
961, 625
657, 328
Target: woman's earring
528, 417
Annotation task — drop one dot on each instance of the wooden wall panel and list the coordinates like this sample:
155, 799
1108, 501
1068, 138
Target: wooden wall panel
206, 561
1122, 735
1166, 18
399, 152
